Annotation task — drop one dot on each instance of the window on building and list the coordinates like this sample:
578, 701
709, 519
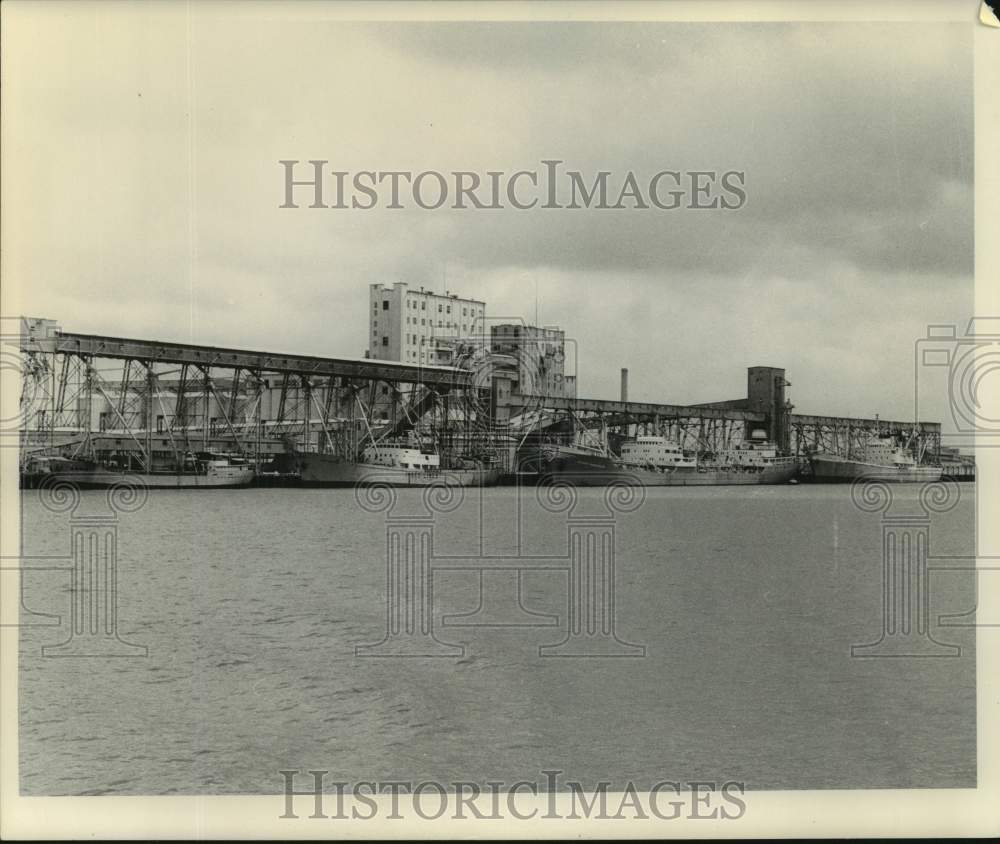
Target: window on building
423, 306
439, 309
448, 310
385, 304
159, 424
385, 341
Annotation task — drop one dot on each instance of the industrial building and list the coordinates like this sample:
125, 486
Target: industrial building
419, 326
544, 368
148, 392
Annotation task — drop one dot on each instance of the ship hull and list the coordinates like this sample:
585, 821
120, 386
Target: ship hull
230, 477
835, 470
321, 470
634, 476
718, 476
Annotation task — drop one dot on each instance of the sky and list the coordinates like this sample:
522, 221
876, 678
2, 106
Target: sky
142, 188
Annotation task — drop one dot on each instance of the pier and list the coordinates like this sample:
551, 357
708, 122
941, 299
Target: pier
148, 395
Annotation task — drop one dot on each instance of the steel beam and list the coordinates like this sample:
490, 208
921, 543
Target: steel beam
883, 424
631, 408
150, 351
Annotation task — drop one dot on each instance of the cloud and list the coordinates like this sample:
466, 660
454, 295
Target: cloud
148, 187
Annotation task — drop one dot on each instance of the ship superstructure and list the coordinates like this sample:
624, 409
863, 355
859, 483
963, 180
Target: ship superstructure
882, 459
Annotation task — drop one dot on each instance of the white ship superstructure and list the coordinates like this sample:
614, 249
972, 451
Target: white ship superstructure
393, 463
758, 452
656, 452
402, 456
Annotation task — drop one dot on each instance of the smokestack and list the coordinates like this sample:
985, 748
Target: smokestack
624, 384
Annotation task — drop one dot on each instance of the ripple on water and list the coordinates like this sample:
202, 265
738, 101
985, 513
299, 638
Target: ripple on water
747, 605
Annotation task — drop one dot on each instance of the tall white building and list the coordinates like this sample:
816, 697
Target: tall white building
541, 355
417, 326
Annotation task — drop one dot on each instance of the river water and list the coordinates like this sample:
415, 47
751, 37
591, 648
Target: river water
251, 603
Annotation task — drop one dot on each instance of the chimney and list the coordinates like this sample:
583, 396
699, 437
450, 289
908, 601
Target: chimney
624, 385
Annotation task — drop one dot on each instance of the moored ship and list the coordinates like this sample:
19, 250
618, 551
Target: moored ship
397, 464
882, 459
657, 461
203, 470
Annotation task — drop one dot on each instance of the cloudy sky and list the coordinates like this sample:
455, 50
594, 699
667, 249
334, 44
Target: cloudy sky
143, 171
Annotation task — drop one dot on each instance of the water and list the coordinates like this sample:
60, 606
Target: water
251, 603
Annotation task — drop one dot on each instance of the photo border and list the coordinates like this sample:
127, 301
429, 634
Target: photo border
823, 813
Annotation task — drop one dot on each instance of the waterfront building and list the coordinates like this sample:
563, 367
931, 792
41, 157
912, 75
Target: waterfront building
541, 358
419, 326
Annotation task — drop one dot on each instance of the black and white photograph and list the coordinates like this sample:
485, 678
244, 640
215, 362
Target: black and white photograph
502, 420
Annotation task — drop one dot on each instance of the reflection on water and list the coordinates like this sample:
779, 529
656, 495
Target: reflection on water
251, 603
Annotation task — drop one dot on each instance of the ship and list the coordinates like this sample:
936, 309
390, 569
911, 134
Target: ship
397, 464
658, 461
882, 459
201, 470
